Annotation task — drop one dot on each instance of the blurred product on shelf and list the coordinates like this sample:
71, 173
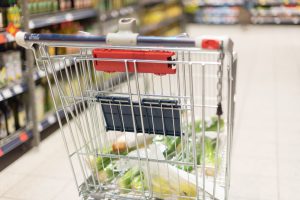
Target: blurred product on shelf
162, 19
42, 6
10, 14
48, 6
107, 5
11, 67
12, 116
2, 17
3, 128
9, 117
275, 2
65, 5
14, 15
40, 102
218, 15
214, 11
79, 4
172, 30
276, 14
19, 111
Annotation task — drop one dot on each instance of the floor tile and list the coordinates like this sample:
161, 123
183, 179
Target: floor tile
36, 188
8, 180
289, 189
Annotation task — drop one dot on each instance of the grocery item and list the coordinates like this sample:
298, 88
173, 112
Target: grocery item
16, 56
9, 117
3, 128
40, 102
125, 181
42, 6
14, 15
65, 4
3, 79
130, 141
1, 18
20, 112
8, 62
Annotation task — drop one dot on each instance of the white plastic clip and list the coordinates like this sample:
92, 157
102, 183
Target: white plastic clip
126, 35
20, 39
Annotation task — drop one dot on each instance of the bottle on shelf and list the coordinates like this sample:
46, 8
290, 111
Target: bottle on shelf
3, 129
2, 17
9, 117
19, 112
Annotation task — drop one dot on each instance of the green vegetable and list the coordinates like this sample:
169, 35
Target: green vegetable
171, 145
103, 162
107, 174
138, 183
214, 124
124, 182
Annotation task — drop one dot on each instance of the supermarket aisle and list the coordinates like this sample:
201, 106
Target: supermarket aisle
265, 163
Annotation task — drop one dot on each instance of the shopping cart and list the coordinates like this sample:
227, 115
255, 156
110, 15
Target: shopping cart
146, 117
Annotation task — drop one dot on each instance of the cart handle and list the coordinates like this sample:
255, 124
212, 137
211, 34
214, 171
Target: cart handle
125, 37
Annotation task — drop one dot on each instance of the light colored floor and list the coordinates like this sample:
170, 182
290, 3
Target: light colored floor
266, 158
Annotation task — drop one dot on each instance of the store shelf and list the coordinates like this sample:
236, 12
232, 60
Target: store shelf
271, 4
59, 17
50, 120
12, 91
150, 2
149, 28
117, 13
13, 141
276, 20
221, 5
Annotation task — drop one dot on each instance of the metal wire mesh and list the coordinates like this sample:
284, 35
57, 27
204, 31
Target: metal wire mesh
145, 111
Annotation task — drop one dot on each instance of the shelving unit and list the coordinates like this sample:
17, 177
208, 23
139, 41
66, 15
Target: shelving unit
276, 12
14, 140
12, 91
214, 11
40, 21
257, 11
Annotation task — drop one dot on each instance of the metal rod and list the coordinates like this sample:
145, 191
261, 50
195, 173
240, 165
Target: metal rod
92, 41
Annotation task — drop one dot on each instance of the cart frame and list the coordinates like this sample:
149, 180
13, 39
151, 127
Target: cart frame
206, 81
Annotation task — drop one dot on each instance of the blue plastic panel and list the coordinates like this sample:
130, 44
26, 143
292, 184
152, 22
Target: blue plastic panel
159, 116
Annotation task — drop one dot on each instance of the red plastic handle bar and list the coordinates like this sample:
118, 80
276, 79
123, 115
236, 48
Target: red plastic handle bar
141, 67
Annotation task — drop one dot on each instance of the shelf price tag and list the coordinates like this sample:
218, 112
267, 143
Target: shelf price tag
18, 89
7, 93
51, 119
